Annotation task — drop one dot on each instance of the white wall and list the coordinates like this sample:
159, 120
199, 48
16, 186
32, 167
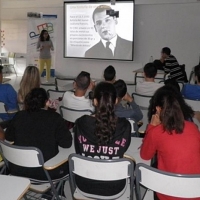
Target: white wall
156, 25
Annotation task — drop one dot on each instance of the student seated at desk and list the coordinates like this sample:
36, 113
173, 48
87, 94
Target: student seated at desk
38, 127
175, 140
8, 96
77, 100
191, 91
130, 109
102, 136
148, 86
30, 80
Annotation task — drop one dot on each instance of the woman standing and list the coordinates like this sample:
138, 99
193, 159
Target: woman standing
175, 140
44, 45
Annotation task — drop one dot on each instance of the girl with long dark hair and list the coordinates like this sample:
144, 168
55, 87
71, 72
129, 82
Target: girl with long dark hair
175, 140
102, 136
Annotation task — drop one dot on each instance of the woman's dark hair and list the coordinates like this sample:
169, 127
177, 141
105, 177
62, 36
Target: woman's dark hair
42, 35
36, 99
174, 110
105, 95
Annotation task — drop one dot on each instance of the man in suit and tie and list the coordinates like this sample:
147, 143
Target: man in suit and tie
110, 46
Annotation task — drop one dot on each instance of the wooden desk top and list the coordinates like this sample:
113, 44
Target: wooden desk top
13, 187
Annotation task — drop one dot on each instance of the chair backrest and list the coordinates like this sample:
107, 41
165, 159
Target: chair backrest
48, 86
55, 94
71, 115
64, 84
102, 170
2, 107
141, 100
22, 156
176, 185
195, 104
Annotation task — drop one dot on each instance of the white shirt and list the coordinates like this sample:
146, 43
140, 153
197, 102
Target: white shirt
147, 88
80, 103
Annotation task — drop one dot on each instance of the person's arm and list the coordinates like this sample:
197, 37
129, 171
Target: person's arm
63, 135
128, 135
10, 131
2, 134
51, 45
12, 99
76, 142
135, 112
148, 148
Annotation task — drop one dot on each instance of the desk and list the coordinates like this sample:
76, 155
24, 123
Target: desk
140, 71
63, 154
13, 187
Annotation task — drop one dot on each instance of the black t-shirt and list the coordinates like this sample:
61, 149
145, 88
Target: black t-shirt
86, 144
43, 129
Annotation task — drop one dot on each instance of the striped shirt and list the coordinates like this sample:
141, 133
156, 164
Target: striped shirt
172, 67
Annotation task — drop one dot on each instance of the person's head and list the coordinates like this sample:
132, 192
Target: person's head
121, 88
1, 74
173, 83
44, 35
36, 99
109, 74
197, 73
150, 71
30, 80
172, 108
166, 104
104, 24
166, 51
105, 98
82, 81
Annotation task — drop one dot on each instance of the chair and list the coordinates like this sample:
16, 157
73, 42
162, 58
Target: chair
134, 127
176, 185
64, 84
4, 110
55, 94
48, 86
72, 114
2, 107
102, 170
195, 104
32, 157
11, 62
142, 101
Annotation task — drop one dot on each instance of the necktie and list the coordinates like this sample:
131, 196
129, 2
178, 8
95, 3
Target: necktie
108, 52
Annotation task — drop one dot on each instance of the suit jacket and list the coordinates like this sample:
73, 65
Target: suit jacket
123, 50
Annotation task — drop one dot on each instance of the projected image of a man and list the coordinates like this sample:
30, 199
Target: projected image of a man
110, 46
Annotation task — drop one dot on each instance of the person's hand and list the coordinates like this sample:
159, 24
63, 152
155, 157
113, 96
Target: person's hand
162, 60
92, 85
127, 98
155, 120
